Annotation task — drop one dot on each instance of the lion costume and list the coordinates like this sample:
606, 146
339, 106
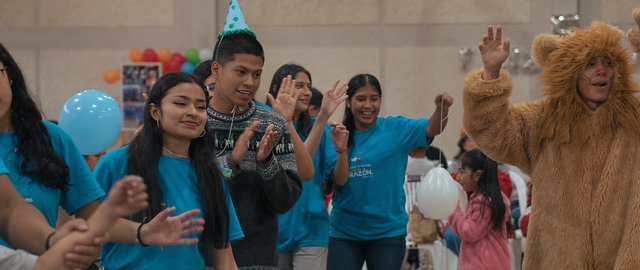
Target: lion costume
584, 164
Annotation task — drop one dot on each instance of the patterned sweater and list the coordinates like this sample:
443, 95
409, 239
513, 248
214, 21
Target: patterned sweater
259, 191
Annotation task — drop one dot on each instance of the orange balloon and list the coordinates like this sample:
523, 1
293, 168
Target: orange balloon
135, 55
110, 75
164, 55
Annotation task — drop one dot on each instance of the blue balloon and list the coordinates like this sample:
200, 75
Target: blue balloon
93, 120
187, 67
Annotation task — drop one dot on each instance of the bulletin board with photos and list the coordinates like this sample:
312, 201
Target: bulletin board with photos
137, 79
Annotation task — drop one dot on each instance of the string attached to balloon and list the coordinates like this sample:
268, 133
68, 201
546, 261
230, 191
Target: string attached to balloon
438, 194
462, 195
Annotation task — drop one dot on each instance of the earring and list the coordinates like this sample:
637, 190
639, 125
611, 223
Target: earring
10, 82
158, 123
203, 132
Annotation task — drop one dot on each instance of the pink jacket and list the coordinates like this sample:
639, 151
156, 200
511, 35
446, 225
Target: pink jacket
482, 247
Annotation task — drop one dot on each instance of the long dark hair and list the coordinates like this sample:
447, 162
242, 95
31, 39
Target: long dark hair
38, 158
488, 186
144, 156
355, 83
304, 119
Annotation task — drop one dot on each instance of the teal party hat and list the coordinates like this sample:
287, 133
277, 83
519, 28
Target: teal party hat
235, 22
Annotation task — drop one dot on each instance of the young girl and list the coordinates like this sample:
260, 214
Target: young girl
485, 225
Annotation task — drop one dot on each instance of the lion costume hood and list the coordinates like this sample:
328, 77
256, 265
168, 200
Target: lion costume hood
564, 59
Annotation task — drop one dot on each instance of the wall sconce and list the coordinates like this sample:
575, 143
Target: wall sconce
465, 57
520, 62
562, 24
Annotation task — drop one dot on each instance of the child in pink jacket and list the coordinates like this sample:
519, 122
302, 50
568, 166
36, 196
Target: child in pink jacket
484, 226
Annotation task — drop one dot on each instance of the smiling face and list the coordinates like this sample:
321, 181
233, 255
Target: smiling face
595, 81
365, 106
303, 83
236, 82
182, 112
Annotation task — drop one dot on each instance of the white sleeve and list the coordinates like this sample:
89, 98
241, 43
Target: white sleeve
16, 259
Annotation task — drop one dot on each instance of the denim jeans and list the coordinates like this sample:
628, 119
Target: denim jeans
452, 240
515, 213
380, 254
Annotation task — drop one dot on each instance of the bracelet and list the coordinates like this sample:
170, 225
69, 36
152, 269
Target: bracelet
138, 235
46, 241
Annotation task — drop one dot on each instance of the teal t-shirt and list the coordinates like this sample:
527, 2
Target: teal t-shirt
179, 189
83, 187
371, 205
307, 222
3, 168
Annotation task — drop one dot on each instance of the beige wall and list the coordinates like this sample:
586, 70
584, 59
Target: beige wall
412, 46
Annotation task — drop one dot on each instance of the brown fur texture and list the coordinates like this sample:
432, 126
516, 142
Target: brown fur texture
634, 35
583, 163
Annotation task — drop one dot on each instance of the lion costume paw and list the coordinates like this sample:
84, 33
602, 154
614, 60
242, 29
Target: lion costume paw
634, 35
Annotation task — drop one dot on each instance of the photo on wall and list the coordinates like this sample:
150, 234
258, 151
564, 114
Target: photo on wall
137, 79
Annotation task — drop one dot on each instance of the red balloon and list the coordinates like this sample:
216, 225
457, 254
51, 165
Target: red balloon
149, 55
179, 58
172, 66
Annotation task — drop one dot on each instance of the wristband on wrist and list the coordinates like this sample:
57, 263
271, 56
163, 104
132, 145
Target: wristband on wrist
46, 241
138, 237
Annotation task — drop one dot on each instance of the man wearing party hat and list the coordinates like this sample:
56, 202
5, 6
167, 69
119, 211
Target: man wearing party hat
252, 142
581, 145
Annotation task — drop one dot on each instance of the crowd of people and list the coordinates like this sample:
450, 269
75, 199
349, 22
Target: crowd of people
215, 179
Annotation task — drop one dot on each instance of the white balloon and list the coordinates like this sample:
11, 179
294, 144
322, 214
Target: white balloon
437, 194
205, 54
419, 166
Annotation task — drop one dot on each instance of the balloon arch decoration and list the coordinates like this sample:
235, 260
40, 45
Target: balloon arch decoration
171, 61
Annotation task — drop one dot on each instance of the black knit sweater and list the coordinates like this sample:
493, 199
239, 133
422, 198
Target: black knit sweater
259, 191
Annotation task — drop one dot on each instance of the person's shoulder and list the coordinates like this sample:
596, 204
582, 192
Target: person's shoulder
400, 120
117, 153
52, 127
56, 133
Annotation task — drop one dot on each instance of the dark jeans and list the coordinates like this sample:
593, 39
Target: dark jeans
452, 240
380, 254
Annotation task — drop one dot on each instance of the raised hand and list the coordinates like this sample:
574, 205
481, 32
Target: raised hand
266, 144
494, 52
242, 143
333, 98
633, 35
164, 230
285, 101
